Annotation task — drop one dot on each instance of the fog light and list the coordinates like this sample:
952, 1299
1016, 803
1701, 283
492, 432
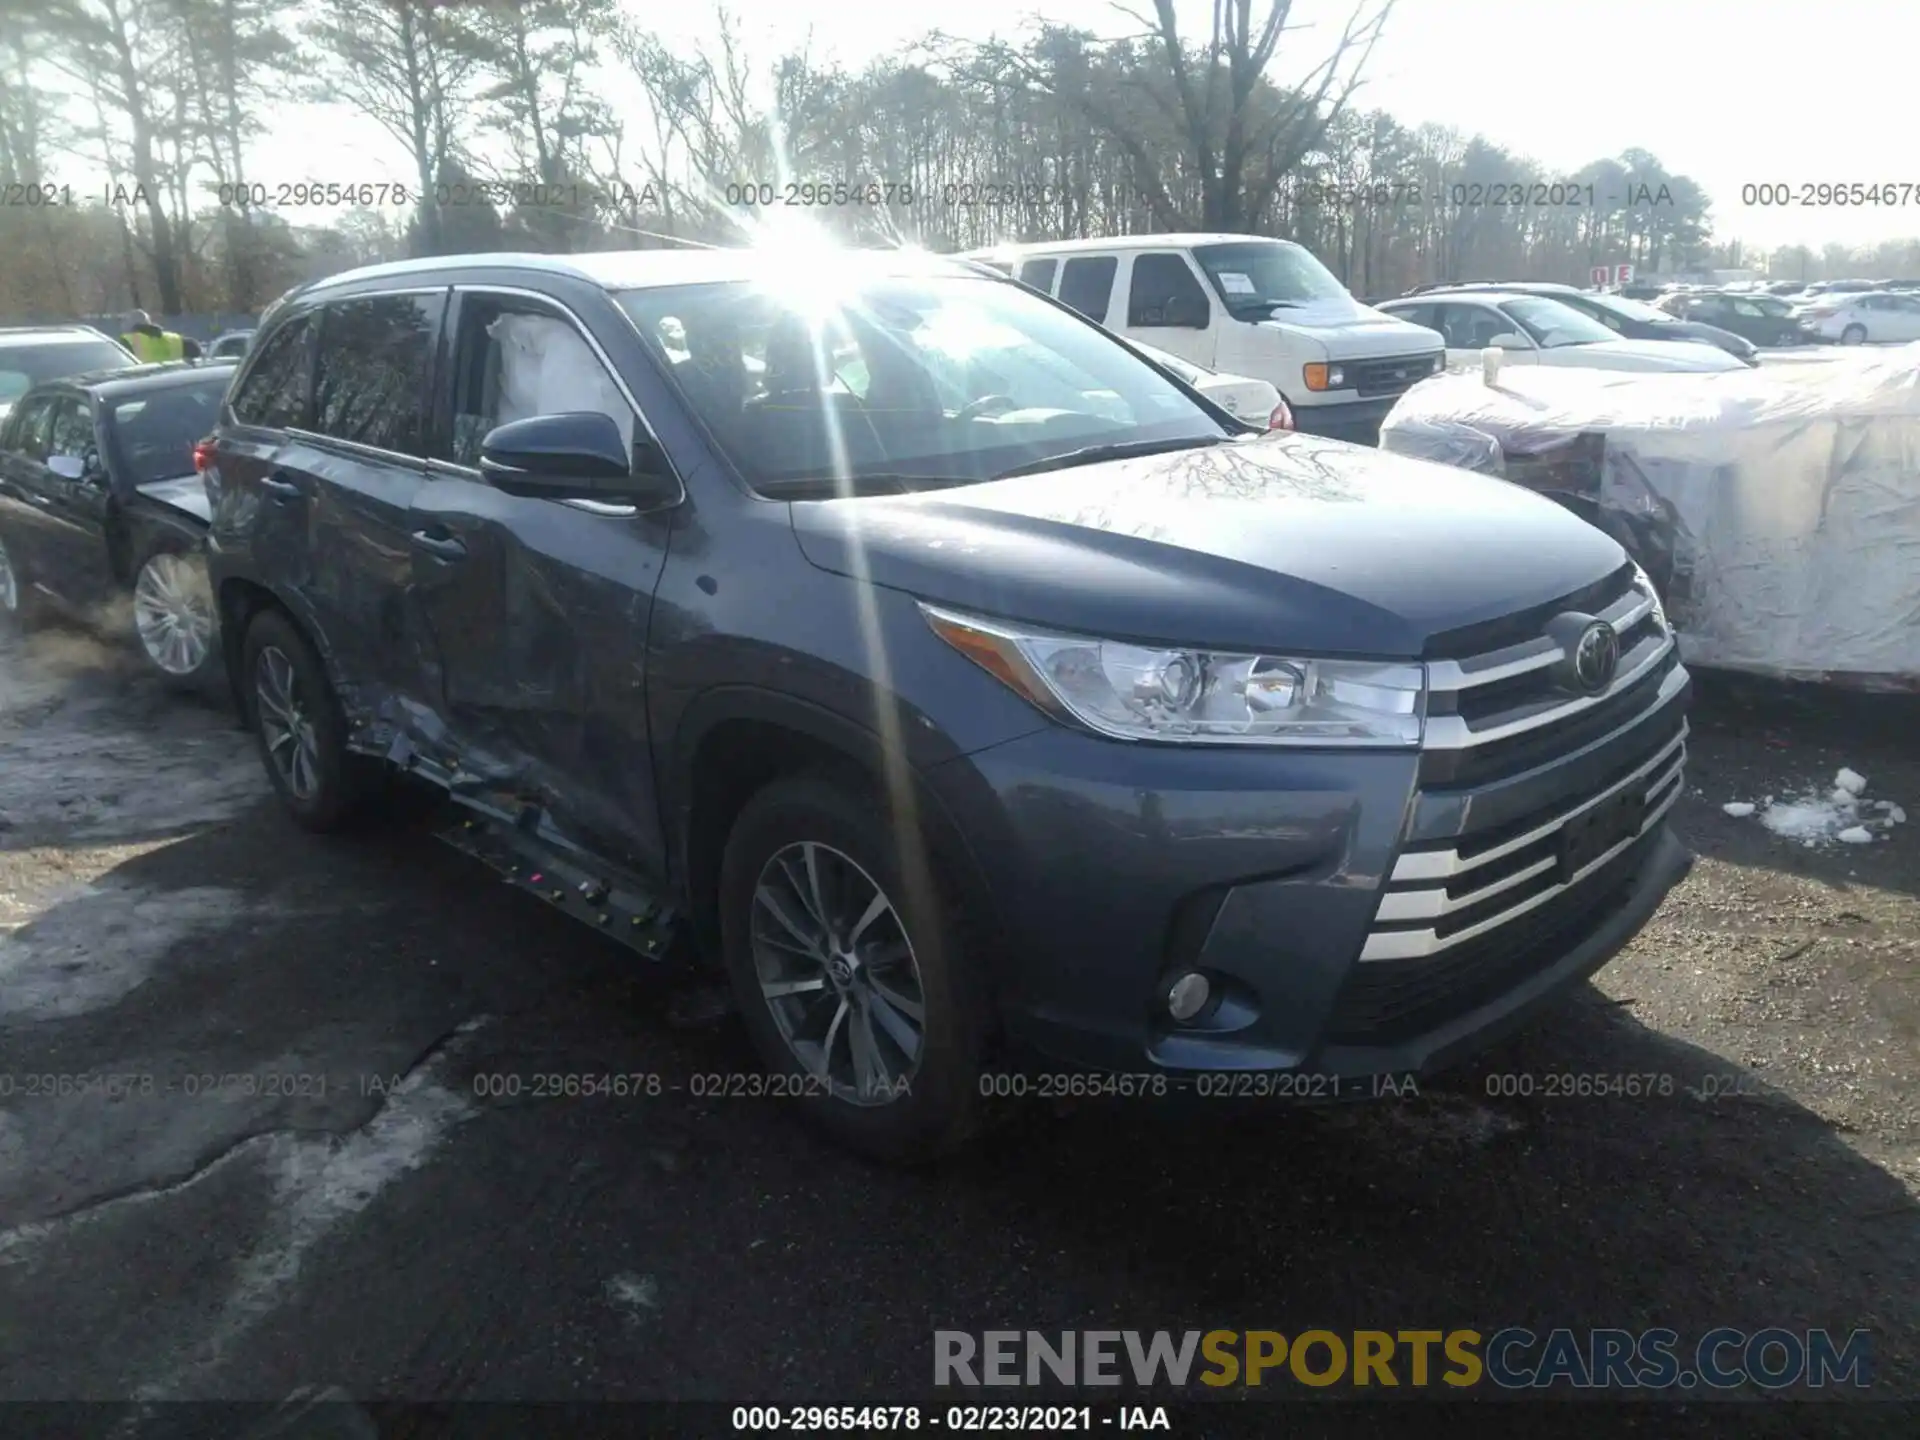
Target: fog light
1188, 996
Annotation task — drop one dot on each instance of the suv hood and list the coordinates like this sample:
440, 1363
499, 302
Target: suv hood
1288, 542
1352, 331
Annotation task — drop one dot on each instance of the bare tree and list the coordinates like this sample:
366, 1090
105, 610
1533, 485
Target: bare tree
128, 54
409, 65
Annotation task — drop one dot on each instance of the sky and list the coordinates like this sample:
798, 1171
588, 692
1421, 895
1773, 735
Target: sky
1727, 91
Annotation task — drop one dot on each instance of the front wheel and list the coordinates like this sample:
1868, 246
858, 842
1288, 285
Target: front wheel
173, 618
849, 971
301, 731
1853, 335
18, 612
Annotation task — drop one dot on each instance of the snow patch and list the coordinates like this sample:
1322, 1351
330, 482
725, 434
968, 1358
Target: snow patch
634, 1293
1838, 812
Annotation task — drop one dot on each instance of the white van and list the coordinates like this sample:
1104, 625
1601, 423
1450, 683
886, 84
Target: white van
1241, 303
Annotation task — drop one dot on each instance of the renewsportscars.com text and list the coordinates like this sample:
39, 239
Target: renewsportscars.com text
1512, 1358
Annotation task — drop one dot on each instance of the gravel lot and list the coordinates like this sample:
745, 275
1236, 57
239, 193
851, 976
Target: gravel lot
334, 1204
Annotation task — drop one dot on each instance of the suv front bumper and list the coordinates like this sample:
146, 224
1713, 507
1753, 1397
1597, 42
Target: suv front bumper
1113, 867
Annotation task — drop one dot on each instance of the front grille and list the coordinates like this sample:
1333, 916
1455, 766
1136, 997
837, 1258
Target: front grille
1535, 807
1393, 1000
1391, 376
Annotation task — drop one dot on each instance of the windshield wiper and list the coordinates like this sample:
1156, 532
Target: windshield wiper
1116, 450
834, 487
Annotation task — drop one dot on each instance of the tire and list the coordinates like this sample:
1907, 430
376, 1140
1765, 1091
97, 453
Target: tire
175, 622
928, 1102
19, 610
1853, 335
291, 707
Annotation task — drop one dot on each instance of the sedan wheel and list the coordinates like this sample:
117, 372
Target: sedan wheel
286, 726
173, 613
1853, 335
838, 972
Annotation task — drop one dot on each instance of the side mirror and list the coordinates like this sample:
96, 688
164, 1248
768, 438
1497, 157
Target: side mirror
578, 455
68, 467
1508, 340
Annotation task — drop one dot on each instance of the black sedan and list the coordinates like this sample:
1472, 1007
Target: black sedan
103, 517
1763, 319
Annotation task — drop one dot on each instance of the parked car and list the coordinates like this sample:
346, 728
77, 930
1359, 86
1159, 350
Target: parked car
1853, 319
1785, 287
1536, 330
102, 516
1635, 319
967, 711
1244, 304
1763, 319
230, 345
33, 354
1241, 396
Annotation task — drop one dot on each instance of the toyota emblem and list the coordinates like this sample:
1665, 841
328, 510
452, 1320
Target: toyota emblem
1596, 655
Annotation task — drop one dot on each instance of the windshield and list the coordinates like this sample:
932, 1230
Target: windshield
24, 366
921, 380
1256, 276
1630, 309
1552, 324
153, 435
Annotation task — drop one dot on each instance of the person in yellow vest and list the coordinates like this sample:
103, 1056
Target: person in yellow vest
148, 342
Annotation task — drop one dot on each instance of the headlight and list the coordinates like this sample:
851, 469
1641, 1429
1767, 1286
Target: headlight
1136, 692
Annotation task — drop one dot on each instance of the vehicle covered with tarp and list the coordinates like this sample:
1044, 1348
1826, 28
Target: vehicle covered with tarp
1777, 509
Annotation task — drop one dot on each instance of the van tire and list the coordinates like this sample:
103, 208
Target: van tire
291, 706
936, 1104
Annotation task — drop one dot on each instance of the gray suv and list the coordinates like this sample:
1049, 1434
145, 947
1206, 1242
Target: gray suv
973, 691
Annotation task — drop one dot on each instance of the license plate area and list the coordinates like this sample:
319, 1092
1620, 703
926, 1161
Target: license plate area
1586, 837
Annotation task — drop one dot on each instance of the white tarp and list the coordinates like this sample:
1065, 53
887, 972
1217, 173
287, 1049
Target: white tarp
1789, 497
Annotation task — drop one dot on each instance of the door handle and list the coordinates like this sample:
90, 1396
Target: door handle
443, 547
278, 484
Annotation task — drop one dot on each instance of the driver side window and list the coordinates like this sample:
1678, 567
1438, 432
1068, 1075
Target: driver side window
514, 359
71, 432
34, 428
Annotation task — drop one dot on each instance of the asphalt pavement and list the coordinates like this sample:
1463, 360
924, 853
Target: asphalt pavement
280, 1112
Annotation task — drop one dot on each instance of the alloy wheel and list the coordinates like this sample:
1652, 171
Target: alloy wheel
173, 612
286, 724
838, 972
9, 584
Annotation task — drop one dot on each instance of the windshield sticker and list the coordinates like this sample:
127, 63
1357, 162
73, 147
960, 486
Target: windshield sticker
1235, 283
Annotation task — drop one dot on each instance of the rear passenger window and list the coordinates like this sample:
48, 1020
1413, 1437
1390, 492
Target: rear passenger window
1039, 274
1087, 285
370, 385
1164, 292
274, 392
